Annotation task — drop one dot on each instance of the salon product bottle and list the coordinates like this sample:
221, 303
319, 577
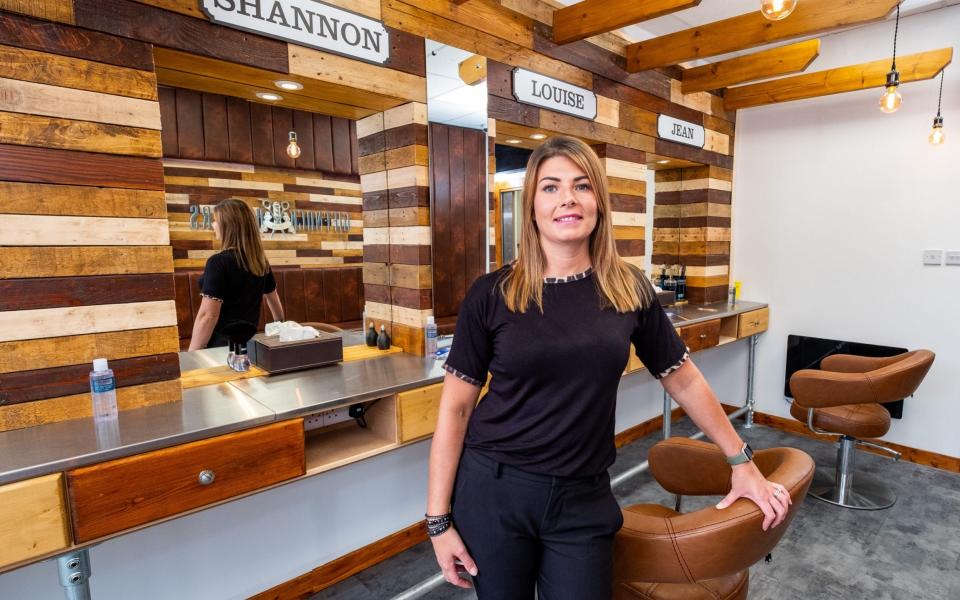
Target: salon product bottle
682, 283
231, 354
383, 340
371, 336
663, 277
430, 337
103, 390
670, 284
241, 362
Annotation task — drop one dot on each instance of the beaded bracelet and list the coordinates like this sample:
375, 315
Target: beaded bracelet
437, 524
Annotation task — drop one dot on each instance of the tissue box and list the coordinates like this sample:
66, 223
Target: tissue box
274, 356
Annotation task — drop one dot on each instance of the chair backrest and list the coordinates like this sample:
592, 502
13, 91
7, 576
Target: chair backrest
708, 543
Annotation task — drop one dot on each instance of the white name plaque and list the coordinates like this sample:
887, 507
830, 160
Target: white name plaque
547, 92
683, 132
307, 23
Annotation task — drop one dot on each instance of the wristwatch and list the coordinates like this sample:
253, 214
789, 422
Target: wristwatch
745, 455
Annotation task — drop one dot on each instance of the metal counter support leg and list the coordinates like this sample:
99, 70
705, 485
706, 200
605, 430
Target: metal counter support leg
75, 574
667, 414
751, 359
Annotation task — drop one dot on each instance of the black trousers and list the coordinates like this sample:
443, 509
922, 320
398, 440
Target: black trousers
528, 531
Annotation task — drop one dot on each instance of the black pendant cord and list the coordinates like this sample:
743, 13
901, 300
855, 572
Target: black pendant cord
896, 28
940, 97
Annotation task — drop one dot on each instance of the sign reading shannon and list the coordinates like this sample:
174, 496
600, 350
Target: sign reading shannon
307, 23
547, 92
683, 132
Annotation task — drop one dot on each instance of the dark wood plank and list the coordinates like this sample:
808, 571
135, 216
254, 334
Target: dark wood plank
323, 142
190, 124
512, 111
641, 99
173, 30
631, 247
168, 121
303, 125
29, 294
46, 165
440, 209
313, 295
282, 125
26, 386
377, 293
342, 145
682, 151
474, 220
64, 40
372, 144
351, 303
415, 299
628, 203
499, 79
408, 255
458, 240
354, 149
216, 140
406, 135
407, 53
183, 298
185, 172
239, 130
408, 196
294, 301
261, 120
375, 200
332, 297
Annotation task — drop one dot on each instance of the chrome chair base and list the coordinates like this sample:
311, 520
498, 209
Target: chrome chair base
866, 494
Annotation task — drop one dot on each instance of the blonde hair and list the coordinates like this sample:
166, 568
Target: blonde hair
619, 284
239, 232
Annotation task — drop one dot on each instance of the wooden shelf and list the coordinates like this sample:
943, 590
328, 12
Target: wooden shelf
344, 443
724, 339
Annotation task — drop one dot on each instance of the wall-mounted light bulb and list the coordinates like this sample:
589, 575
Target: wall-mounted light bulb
776, 10
891, 99
937, 136
293, 148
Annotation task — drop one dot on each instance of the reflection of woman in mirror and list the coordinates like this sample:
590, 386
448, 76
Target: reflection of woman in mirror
235, 280
519, 493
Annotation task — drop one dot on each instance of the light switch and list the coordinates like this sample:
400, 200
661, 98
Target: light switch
933, 257
953, 258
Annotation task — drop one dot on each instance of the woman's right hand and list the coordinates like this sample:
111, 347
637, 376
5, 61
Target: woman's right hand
450, 549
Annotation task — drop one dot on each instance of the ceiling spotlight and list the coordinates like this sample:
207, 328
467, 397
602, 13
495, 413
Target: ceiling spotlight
513, 141
538, 136
775, 10
662, 162
288, 85
269, 96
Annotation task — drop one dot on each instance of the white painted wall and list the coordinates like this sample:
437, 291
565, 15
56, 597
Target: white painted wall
833, 202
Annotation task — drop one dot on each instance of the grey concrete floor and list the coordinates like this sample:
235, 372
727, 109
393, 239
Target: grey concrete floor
908, 552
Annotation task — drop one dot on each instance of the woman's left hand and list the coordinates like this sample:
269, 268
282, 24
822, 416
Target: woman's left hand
772, 498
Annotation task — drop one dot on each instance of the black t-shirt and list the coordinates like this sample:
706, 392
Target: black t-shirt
240, 291
552, 397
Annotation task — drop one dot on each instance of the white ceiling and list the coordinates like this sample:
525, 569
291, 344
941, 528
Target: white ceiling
450, 100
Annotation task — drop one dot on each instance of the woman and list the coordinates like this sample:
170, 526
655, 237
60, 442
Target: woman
236, 279
526, 468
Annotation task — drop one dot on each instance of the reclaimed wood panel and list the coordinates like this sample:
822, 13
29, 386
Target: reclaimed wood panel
189, 109
331, 68
56, 322
33, 518
28, 294
303, 125
239, 130
342, 143
69, 134
216, 144
591, 17
68, 261
82, 349
39, 199
167, 97
323, 142
42, 99
49, 165
783, 60
45, 230
77, 73
282, 125
50, 10
261, 119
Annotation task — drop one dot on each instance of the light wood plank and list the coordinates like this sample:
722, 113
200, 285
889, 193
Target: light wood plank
52, 101
191, 8
752, 29
78, 200
33, 518
591, 17
79, 349
33, 230
784, 60
77, 73
78, 320
331, 68
38, 412
65, 261
913, 67
473, 70
68, 134
49, 10
216, 375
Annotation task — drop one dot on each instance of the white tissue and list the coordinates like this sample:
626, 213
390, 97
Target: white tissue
290, 331
272, 328
309, 333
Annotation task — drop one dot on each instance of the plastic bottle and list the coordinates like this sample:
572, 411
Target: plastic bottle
383, 340
430, 337
103, 389
371, 338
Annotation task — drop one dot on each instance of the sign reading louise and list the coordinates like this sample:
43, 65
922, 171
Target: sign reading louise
547, 92
683, 132
307, 23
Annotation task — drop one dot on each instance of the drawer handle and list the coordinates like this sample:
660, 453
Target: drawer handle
703, 336
206, 477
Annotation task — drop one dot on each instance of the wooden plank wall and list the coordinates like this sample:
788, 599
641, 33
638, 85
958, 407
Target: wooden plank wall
85, 265
627, 178
493, 217
396, 222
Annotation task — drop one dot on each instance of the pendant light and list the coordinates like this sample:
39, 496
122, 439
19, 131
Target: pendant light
891, 99
776, 10
293, 148
937, 136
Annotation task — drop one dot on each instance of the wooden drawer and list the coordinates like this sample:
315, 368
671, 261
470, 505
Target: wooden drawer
702, 335
417, 412
755, 321
33, 519
132, 491
633, 364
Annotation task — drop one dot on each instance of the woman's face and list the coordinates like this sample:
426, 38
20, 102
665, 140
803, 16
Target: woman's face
565, 204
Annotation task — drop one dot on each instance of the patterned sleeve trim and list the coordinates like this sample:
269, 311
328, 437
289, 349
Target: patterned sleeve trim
463, 376
683, 359
220, 300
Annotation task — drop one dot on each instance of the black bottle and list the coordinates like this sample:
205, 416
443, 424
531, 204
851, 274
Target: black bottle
383, 340
682, 284
371, 336
663, 277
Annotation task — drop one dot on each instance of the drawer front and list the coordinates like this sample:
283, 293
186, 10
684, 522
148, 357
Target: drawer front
417, 412
702, 335
33, 519
755, 321
132, 491
634, 363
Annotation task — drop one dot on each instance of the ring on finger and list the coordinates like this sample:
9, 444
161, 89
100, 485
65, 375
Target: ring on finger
777, 492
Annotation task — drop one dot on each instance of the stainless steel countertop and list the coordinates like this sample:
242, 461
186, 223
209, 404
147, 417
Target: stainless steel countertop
218, 409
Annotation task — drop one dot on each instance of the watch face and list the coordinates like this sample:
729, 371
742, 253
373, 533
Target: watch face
748, 451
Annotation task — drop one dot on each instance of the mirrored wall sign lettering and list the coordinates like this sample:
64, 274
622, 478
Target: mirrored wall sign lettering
683, 132
547, 92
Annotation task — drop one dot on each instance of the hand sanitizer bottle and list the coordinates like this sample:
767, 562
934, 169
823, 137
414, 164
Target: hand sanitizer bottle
430, 337
103, 389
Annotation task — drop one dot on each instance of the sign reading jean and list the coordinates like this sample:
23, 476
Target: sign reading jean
683, 132
307, 23
547, 92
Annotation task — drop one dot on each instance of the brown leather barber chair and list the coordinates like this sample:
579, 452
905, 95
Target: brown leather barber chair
843, 398
661, 554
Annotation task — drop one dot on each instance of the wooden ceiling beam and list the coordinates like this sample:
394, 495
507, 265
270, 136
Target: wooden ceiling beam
784, 60
913, 67
592, 17
751, 30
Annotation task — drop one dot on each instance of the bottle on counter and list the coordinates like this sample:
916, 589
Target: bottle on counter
241, 361
103, 390
663, 277
430, 337
682, 283
383, 340
371, 338
669, 284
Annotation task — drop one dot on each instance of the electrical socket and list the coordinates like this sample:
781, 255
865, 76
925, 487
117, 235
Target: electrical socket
326, 418
953, 258
933, 257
